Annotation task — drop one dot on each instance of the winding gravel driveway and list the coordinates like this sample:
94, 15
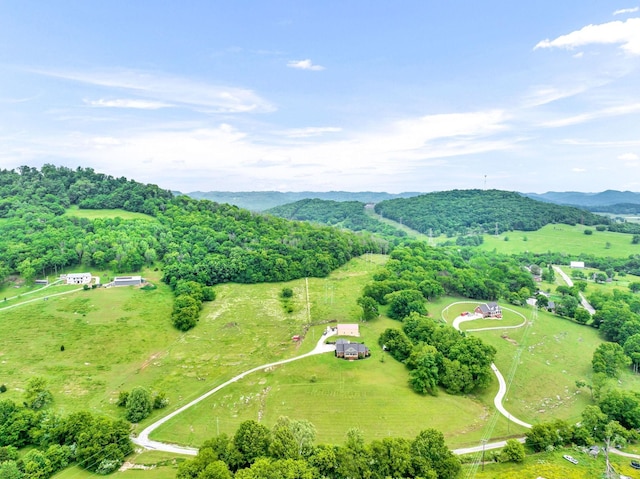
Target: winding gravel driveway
502, 389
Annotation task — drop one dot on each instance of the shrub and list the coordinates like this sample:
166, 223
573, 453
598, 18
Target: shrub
3, 388
286, 293
588, 232
138, 404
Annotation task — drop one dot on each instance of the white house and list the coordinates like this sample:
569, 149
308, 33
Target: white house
577, 264
78, 278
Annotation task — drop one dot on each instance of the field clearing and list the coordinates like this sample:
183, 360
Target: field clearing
551, 465
562, 239
113, 213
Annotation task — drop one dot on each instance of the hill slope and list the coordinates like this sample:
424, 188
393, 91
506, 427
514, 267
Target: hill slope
464, 211
344, 214
575, 198
264, 200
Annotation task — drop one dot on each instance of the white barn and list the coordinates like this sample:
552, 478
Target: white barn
127, 281
577, 264
78, 278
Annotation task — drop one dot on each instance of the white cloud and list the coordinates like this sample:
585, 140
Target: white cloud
626, 10
543, 95
304, 65
225, 157
578, 170
626, 34
128, 103
309, 131
578, 55
172, 89
594, 115
629, 157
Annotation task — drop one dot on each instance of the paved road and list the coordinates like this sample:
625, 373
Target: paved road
143, 438
583, 300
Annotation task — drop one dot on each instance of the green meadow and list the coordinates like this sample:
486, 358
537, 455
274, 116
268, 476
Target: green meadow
551, 465
114, 213
562, 239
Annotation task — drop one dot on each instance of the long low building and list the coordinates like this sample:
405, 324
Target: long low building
127, 281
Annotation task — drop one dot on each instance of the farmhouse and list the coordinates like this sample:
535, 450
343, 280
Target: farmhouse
127, 281
348, 330
77, 278
577, 264
489, 310
348, 350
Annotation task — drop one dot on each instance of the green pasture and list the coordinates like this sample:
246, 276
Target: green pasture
335, 395
113, 213
551, 465
158, 465
562, 239
555, 353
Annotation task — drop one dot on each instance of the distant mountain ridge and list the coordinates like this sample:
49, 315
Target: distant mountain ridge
264, 200
575, 198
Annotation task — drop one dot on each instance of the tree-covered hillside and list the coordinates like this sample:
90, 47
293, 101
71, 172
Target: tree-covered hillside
196, 240
345, 214
264, 200
464, 211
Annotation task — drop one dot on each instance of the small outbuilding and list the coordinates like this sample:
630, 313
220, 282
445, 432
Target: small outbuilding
127, 281
576, 264
348, 330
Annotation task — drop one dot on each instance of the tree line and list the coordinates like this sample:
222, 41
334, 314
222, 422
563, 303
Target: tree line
287, 450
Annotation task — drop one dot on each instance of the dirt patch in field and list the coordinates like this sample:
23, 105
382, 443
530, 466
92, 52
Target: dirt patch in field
151, 359
507, 338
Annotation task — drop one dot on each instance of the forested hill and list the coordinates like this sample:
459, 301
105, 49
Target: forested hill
590, 200
195, 240
464, 211
344, 214
264, 200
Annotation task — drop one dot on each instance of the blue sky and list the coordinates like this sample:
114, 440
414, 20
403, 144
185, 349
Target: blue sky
326, 95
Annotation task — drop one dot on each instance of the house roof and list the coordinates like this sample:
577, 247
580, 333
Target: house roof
489, 307
345, 347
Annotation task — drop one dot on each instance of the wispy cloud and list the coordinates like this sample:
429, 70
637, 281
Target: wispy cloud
629, 157
578, 170
626, 34
594, 115
309, 131
304, 65
542, 95
128, 103
171, 89
626, 10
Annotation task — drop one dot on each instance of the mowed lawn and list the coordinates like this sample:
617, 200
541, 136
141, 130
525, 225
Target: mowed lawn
113, 213
563, 239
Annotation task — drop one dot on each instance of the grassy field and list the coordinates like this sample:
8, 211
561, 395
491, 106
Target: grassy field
551, 465
562, 239
93, 214
346, 388
158, 465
